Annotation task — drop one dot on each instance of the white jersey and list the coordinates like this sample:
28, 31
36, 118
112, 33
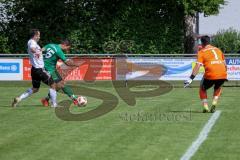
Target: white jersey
36, 59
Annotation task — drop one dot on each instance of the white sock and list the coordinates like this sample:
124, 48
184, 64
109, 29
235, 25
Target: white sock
215, 97
205, 102
53, 96
215, 100
26, 94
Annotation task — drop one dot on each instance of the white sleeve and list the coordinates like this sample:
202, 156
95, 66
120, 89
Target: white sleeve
33, 45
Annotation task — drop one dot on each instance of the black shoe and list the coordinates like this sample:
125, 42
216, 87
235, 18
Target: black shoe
205, 110
213, 109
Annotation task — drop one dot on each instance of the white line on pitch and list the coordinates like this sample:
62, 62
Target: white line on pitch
201, 137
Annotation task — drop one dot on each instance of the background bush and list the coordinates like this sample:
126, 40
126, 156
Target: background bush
227, 40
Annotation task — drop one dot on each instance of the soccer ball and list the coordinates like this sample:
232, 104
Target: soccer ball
82, 101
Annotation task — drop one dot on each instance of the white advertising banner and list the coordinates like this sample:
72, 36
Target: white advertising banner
179, 69
152, 68
175, 68
11, 69
233, 66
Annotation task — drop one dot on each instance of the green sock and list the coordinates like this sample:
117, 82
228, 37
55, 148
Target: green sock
68, 91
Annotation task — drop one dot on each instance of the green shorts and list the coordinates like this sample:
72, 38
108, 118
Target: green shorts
56, 76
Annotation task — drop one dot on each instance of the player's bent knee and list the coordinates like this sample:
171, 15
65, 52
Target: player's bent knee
35, 90
53, 86
60, 84
63, 83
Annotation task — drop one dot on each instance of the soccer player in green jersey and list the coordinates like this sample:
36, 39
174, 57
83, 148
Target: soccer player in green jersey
54, 52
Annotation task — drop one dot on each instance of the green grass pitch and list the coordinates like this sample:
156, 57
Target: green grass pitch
161, 127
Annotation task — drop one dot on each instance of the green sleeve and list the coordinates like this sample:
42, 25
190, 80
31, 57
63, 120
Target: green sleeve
61, 55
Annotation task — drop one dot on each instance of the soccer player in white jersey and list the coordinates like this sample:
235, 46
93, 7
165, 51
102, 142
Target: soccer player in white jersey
38, 72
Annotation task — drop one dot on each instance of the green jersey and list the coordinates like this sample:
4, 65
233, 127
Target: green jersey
53, 53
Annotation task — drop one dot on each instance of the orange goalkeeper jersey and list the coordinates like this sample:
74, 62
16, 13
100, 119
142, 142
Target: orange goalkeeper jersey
213, 61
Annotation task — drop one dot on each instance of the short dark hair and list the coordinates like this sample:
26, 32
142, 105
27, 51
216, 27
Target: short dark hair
33, 32
66, 42
205, 40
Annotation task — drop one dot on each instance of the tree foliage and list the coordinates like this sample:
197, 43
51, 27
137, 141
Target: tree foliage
143, 26
227, 40
208, 7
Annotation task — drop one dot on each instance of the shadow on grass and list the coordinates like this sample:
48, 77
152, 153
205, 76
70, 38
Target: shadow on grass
186, 111
23, 106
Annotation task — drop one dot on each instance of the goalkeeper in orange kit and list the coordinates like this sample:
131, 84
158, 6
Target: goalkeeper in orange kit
213, 61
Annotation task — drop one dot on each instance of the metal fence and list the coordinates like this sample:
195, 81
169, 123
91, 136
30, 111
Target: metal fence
119, 55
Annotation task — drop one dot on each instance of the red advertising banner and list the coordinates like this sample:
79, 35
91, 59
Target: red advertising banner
89, 69
26, 69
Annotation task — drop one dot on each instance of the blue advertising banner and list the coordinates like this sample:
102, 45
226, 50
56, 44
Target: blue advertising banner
9, 67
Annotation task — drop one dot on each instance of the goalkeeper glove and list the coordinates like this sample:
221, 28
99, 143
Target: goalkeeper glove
189, 81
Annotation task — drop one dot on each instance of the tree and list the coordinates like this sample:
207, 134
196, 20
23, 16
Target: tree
191, 8
208, 7
151, 26
227, 40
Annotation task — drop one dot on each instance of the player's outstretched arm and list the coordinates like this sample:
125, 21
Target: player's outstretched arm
70, 63
194, 73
